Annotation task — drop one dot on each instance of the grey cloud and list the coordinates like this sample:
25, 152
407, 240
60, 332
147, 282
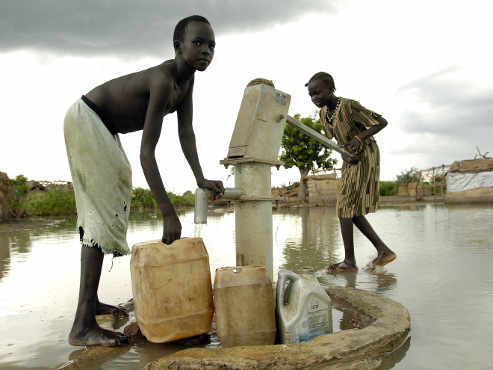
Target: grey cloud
129, 27
460, 118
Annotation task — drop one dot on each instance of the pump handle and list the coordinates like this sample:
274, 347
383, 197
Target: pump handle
320, 138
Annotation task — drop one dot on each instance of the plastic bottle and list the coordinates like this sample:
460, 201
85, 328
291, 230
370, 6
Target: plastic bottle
244, 301
304, 309
172, 289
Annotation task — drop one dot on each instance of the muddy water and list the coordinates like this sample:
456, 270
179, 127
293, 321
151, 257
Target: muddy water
443, 275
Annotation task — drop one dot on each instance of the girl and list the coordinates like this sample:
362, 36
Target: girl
353, 126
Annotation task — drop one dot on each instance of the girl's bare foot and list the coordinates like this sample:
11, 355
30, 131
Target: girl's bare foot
383, 258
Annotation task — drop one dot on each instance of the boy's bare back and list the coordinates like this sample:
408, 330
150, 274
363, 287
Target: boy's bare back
124, 100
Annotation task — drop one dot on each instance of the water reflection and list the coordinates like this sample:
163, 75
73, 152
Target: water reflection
392, 359
96, 357
16, 237
4, 255
377, 281
315, 243
20, 242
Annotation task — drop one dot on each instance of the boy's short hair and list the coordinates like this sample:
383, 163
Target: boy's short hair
325, 77
181, 26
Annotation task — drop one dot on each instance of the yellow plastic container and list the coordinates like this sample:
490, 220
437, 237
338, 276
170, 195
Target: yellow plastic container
245, 306
172, 289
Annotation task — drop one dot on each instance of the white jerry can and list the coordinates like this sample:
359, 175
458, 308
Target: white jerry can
304, 309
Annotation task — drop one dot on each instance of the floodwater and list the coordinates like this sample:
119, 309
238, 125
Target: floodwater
443, 275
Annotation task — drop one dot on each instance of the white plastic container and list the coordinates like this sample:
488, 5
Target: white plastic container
304, 309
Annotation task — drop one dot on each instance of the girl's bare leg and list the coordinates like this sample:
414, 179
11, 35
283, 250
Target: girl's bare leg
349, 263
385, 254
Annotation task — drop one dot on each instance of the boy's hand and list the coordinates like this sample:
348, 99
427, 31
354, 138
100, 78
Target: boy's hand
171, 228
215, 186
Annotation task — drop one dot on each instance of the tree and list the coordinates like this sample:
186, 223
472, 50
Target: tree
299, 150
409, 176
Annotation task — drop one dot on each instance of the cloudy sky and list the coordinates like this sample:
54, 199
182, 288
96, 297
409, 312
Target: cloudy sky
422, 64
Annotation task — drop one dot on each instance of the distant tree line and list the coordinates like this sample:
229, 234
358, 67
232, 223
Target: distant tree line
24, 203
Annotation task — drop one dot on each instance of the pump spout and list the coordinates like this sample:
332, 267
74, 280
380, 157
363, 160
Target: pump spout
202, 197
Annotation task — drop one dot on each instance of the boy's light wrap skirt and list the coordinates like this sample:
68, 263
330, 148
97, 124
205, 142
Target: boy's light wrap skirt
102, 180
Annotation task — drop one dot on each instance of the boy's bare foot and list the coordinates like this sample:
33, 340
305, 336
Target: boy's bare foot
343, 266
95, 336
105, 309
383, 258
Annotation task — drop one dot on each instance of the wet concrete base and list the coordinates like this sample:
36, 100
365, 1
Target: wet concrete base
348, 349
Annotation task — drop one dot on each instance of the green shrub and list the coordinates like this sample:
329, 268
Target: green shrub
387, 188
179, 201
62, 202
19, 193
143, 199
50, 203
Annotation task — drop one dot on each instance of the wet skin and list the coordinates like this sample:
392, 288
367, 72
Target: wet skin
139, 101
322, 94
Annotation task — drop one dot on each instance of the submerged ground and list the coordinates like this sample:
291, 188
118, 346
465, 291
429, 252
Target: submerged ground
442, 275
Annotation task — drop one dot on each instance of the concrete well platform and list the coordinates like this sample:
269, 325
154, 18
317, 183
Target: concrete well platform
347, 349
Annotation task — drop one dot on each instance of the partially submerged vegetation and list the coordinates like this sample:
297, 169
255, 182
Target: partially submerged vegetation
143, 199
387, 188
33, 199
49, 203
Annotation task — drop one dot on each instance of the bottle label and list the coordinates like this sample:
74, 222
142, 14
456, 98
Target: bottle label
316, 323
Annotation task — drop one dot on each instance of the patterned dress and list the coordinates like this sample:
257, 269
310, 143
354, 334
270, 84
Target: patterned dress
358, 187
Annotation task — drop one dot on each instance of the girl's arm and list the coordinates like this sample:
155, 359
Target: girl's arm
382, 122
373, 122
357, 142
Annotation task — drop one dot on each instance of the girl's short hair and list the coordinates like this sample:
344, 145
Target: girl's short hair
325, 77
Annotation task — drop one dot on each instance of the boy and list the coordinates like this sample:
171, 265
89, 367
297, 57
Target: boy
100, 170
